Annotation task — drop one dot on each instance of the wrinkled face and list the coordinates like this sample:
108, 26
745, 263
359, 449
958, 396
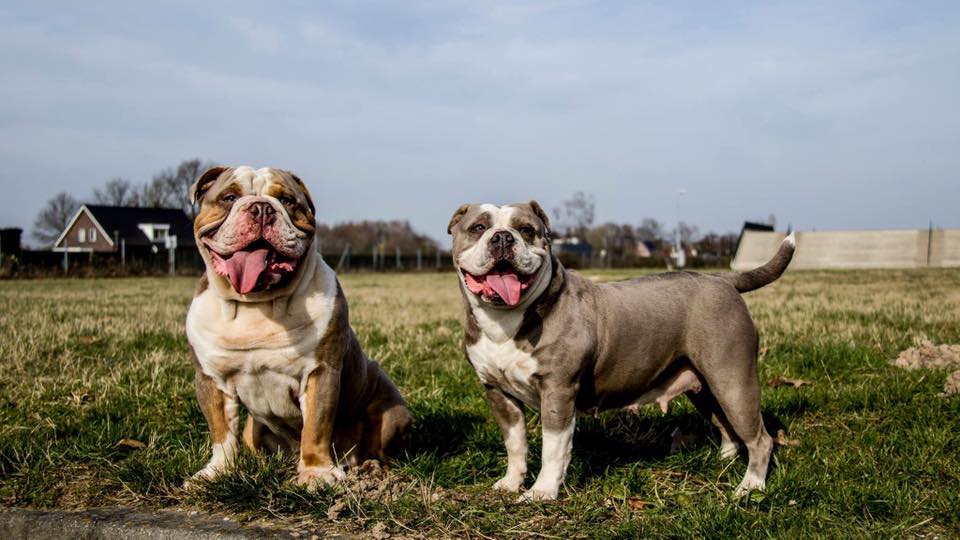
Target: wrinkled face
500, 251
254, 226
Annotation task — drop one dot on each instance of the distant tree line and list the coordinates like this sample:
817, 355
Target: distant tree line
364, 236
575, 218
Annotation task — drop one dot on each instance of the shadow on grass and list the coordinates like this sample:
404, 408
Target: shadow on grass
444, 432
620, 439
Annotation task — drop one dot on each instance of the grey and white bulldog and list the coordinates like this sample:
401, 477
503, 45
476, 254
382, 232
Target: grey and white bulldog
541, 335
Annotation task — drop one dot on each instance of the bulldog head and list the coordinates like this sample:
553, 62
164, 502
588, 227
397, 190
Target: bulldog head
502, 253
254, 227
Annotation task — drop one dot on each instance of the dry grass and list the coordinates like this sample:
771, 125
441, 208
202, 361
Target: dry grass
88, 363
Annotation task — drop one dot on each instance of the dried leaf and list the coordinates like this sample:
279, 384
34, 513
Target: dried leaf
131, 443
638, 504
782, 439
780, 380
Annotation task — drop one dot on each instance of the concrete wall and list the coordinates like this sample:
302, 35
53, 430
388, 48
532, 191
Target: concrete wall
917, 248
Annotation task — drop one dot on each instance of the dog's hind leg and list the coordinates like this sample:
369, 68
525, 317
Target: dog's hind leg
258, 437
706, 403
730, 369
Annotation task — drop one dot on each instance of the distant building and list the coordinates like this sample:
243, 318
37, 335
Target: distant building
573, 245
108, 229
10, 241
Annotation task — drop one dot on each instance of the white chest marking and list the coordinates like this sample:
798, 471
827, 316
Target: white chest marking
506, 367
259, 358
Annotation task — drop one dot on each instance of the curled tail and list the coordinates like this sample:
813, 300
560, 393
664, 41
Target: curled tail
766, 274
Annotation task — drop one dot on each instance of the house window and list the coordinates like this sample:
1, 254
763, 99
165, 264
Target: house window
160, 235
92, 235
82, 236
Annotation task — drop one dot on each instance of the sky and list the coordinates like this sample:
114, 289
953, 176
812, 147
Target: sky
827, 115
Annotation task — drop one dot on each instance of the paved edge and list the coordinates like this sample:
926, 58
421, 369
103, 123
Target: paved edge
125, 524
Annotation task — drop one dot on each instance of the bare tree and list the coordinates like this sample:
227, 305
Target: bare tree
158, 192
688, 233
577, 214
117, 192
53, 217
170, 187
650, 230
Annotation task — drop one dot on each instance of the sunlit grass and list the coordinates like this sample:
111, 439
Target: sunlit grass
85, 364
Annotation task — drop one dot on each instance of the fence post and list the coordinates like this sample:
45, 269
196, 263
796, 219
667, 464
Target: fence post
172, 255
419, 259
438, 259
343, 257
123, 253
399, 266
66, 254
929, 243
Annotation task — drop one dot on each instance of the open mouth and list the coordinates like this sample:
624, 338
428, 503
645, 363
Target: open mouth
254, 268
502, 284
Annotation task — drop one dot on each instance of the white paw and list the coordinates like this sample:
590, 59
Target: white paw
748, 484
509, 483
210, 472
312, 477
538, 494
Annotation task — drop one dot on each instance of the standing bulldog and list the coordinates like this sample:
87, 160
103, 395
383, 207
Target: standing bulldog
543, 336
269, 329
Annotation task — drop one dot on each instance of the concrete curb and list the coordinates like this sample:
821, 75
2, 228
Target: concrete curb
126, 524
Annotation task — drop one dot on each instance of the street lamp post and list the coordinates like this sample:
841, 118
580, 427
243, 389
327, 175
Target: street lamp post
678, 244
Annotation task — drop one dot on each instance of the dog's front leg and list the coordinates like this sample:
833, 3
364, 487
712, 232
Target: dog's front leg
221, 413
318, 405
509, 415
558, 416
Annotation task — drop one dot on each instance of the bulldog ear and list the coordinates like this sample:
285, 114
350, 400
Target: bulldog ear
204, 182
457, 216
306, 192
538, 210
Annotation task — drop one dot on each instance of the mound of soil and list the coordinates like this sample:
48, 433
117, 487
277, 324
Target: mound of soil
930, 356
952, 386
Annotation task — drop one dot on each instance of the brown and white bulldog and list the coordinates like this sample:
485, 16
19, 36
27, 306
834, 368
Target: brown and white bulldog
543, 336
269, 329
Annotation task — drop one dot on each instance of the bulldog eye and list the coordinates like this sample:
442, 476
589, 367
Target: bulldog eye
478, 228
228, 198
527, 231
287, 201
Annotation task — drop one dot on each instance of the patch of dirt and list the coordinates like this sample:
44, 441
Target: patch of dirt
370, 481
926, 355
952, 386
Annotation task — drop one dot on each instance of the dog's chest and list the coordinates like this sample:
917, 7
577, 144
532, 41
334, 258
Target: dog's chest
262, 359
506, 367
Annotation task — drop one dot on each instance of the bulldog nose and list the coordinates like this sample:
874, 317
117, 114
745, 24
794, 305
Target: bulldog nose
501, 245
502, 239
262, 212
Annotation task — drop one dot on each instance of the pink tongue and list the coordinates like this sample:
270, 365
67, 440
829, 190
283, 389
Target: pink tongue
244, 269
507, 286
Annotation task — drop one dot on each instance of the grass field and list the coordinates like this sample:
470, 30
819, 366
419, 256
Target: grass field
871, 449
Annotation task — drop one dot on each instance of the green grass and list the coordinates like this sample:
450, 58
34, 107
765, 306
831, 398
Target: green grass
85, 364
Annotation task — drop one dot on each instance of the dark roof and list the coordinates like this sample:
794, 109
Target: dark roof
754, 226
751, 226
124, 220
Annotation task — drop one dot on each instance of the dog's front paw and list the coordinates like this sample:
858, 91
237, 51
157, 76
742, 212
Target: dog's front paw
312, 477
537, 494
750, 483
509, 483
213, 470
